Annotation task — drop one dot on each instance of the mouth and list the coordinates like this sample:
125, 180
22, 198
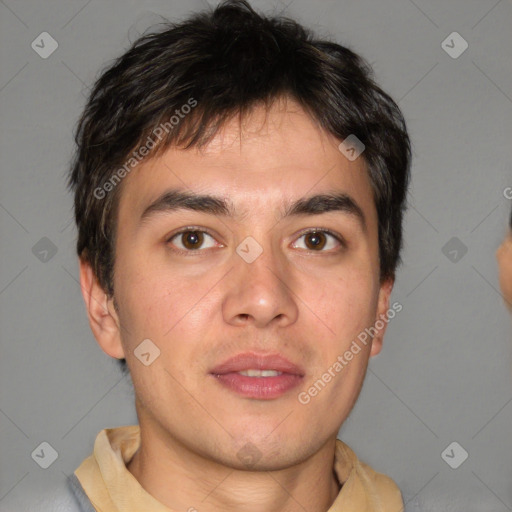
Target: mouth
258, 376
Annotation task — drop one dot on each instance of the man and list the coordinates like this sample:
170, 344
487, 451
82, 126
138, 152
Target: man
504, 257
239, 192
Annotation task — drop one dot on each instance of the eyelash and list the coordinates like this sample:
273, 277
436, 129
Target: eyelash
191, 252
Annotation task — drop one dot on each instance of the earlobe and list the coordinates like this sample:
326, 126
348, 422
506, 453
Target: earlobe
103, 319
381, 319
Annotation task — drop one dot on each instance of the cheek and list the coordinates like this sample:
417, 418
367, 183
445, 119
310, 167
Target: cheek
350, 300
348, 306
148, 298
162, 304
339, 311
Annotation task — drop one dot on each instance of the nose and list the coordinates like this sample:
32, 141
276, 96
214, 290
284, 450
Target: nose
260, 293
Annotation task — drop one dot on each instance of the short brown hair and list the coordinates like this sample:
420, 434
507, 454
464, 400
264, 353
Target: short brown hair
228, 60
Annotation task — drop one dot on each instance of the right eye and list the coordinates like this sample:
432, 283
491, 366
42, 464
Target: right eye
190, 239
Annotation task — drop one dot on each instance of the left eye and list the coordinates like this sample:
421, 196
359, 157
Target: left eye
318, 240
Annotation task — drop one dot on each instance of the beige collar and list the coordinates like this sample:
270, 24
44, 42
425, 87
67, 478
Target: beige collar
112, 488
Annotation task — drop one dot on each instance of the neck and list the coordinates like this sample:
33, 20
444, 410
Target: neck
182, 479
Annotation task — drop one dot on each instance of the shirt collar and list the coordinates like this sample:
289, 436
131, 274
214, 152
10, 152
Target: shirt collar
112, 488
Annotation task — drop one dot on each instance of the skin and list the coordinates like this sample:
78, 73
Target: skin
306, 303
504, 257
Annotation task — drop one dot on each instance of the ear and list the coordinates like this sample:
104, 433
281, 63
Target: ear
381, 315
103, 317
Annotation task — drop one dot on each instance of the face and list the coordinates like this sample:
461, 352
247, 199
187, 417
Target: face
504, 257
304, 285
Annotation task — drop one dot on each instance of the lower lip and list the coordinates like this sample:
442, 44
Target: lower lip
262, 388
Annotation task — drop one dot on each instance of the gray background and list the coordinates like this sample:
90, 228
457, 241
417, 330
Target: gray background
445, 371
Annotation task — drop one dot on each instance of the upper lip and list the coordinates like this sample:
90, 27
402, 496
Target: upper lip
255, 361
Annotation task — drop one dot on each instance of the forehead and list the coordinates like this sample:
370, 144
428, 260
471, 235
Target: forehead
268, 156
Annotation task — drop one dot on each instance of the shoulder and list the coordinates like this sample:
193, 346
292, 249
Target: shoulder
49, 495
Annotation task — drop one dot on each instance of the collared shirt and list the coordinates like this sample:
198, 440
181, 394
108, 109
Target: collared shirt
112, 488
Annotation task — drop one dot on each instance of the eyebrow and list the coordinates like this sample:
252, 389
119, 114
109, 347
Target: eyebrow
175, 199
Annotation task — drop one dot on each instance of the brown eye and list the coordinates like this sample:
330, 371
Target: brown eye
318, 240
191, 240
315, 240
